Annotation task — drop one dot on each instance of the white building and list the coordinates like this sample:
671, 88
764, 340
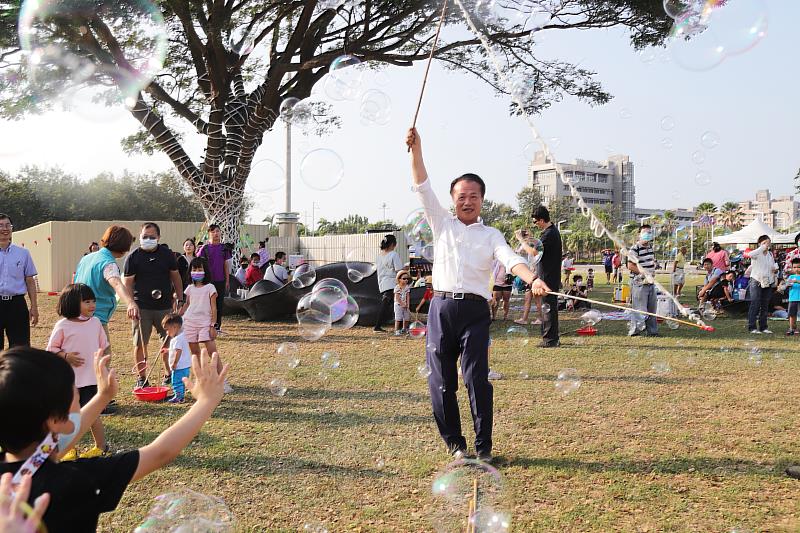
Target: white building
779, 213
608, 183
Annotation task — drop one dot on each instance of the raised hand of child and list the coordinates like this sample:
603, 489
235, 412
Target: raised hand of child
208, 384
107, 383
74, 359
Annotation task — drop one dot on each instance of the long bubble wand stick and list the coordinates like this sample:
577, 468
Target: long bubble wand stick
428, 66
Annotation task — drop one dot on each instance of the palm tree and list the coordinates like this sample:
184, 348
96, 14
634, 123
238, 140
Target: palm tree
730, 215
705, 208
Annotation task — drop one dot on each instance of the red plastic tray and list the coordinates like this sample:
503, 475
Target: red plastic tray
151, 394
587, 331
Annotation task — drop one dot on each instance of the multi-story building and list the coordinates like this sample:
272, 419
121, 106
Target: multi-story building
682, 216
608, 184
779, 213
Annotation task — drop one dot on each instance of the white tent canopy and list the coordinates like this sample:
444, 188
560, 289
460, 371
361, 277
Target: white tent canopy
750, 234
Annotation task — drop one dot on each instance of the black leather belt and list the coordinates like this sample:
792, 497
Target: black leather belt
9, 298
459, 296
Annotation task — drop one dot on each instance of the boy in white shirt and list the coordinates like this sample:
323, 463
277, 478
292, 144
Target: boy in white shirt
180, 356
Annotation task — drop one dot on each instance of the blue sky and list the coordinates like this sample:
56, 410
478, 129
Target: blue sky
749, 101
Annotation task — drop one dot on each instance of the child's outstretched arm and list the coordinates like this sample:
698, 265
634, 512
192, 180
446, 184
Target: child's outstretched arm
207, 390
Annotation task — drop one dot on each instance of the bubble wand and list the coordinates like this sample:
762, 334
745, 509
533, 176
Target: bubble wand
702, 326
428, 66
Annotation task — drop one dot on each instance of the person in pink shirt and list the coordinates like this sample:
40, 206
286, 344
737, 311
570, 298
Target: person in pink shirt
76, 338
719, 257
199, 311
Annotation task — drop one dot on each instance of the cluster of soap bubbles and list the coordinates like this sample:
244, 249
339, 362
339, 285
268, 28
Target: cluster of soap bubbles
636, 321
706, 32
329, 362
328, 305
287, 358
187, 511
347, 80
567, 381
471, 490
518, 335
57, 65
418, 232
591, 317
357, 268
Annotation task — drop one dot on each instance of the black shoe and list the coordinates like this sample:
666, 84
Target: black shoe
142, 382
111, 408
793, 471
457, 452
379, 330
653, 334
550, 344
486, 457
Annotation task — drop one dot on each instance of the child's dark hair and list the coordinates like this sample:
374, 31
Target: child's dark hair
576, 277
708, 260
796, 261
255, 256
172, 319
591, 270
199, 262
34, 385
69, 301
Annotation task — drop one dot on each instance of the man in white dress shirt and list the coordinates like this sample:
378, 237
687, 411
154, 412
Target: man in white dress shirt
459, 319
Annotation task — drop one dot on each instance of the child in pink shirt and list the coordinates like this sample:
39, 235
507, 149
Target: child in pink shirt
76, 338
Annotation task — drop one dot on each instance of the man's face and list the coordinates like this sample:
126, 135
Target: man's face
215, 235
708, 266
539, 223
468, 201
281, 261
5, 229
148, 233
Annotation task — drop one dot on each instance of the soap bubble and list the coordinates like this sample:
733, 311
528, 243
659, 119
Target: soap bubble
56, 63
418, 230
671, 324
330, 360
349, 317
592, 317
285, 109
343, 62
567, 381
380, 463
188, 511
314, 526
625, 113
545, 308
417, 329
376, 108
277, 387
524, 374
667, 123
454, 488
330, 300
518, 334
666, 143
754, 354
424, 371
710, 139
345, 78
698, 157
288, 354
357, 268
322, 169
660, 367
331, 282
304, 276
708, 312
313, 318
702, 178
428, 252
265, 176
155, 294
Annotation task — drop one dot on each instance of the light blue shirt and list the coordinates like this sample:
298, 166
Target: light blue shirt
16, 264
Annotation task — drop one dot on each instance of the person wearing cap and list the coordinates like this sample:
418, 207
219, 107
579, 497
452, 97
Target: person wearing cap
459, 317
16, 279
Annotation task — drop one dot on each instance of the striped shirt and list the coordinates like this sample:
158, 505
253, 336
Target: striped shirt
646, 257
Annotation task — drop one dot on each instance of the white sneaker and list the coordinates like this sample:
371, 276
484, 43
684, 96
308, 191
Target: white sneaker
226, 388
755, 332
495, 375
768, 332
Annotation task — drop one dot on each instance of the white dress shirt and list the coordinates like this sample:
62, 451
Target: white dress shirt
764, 268
463, 254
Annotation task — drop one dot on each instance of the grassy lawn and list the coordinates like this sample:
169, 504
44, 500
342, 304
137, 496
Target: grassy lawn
699, 448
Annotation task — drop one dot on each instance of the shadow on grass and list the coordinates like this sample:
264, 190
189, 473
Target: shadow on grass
331, 394
718, 466
656, 380
264, 465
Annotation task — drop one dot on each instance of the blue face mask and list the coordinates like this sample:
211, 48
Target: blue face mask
647, 236
64, 439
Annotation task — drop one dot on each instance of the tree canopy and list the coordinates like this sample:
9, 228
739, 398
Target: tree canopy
229, 64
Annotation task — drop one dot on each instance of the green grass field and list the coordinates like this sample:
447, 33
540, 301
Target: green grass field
699, 448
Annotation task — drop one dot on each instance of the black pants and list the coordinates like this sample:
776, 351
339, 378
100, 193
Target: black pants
385, 308
759, 306
550, 324
220, 286
460, 327
15, 322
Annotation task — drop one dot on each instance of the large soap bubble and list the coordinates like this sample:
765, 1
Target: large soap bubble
418, 231
322, 169
304, 276
288, 355
592, 317
188, 511
330, 282
357, 268
376, 108
472, 490
50, 30
567, 381
345, 78
350, 316
313, 319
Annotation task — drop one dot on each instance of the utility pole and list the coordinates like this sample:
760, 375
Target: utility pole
384, 207
314, 208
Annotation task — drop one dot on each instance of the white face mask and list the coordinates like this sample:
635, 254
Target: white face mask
64, 439
148, 244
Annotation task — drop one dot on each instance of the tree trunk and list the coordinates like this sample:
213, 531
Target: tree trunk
223, 205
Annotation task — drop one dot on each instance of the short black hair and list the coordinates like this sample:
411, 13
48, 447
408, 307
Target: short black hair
474, 178
762, 238
212, 227
3, 216
796, 260
576, 277
172, 318
69, 301
645, 226
153, 225
540, 212
708, 260
35, 385
201, 262
280, 255
254, 256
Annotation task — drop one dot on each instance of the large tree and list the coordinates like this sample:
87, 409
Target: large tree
214, 85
